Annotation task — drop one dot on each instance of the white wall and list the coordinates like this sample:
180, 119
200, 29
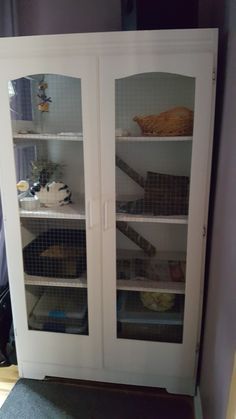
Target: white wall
220, 330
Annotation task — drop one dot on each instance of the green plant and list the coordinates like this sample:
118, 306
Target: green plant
52, 170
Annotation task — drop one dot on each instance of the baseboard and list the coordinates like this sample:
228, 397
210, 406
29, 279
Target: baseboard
173, 385
198, 405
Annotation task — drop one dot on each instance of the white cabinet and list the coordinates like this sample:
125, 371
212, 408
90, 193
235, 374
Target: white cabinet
108, 287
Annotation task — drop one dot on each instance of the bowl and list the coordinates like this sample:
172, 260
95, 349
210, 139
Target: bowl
29, 203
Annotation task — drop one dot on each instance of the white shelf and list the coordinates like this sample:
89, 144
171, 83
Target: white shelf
153, 139
48, 136
151, 286
139, 254
55, 282
141, 284
64, 137
77, 212
70, 211
178, 219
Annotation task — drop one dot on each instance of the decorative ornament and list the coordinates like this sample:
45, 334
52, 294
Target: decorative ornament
43, 106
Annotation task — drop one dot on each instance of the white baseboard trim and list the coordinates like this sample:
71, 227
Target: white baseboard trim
198, 405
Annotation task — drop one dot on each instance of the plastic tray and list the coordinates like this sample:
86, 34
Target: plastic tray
131, 310
61, 306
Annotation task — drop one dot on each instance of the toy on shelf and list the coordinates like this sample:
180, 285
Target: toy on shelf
50, 194
46, 189
157, 301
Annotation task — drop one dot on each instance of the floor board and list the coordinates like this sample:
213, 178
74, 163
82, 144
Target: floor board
8, 378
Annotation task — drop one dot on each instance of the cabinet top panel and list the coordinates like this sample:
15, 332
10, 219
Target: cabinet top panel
184, 40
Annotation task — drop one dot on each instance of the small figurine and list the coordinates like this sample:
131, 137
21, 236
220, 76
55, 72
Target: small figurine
42, 85
50, 193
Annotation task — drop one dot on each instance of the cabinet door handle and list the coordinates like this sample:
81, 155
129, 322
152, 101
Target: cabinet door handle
90, 214
105, 215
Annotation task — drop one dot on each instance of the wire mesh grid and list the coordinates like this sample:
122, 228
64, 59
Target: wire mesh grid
57, 309
150, 316
56, 249
150, 94
46, 104
153, 177
150, 269
46, 112
153, 165
55, 275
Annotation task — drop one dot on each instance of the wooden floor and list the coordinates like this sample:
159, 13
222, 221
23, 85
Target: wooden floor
8, 378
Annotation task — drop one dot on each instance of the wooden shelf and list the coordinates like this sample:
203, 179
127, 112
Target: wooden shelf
58, 137
151, 286
70, 211
55, 282
152, 139
179, 219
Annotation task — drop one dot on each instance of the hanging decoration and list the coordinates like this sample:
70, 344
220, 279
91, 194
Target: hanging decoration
43, 106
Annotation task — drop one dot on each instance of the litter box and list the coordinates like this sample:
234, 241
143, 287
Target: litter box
60, 312
56, 253
134, 321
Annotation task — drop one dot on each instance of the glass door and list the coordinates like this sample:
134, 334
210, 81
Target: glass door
150, 222
55, 162
154, 127
49, 160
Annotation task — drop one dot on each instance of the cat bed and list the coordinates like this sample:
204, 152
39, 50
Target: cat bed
174, 122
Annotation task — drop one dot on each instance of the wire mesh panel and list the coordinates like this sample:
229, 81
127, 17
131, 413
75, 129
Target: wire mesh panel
46, 112
152, 316
58, 249
61, 309
154, 128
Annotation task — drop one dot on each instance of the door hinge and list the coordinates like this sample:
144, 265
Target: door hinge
214, 74
204, 231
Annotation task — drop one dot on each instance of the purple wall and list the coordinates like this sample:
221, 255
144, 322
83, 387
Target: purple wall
219, 342
39, 17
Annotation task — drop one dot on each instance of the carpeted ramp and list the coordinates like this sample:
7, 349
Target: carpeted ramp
31, 399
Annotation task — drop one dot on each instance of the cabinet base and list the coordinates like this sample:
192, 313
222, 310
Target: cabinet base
175, 385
